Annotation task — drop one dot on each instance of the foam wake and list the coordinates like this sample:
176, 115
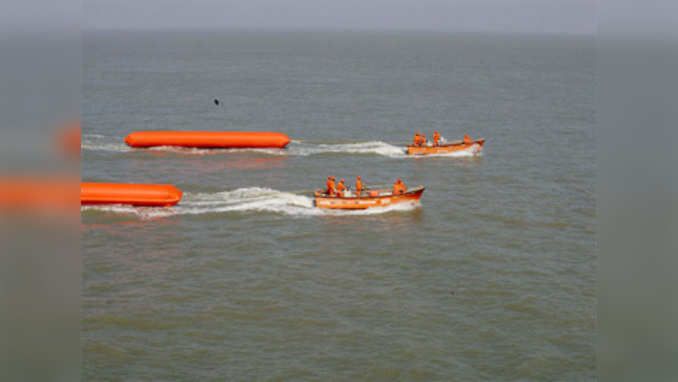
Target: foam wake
373, 147
243, 200
96, 142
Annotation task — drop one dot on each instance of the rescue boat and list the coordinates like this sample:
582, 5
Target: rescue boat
368, 199
474, 147
208, 139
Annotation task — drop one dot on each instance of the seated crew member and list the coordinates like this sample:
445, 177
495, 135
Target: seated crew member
436, 138
467, 139
358, 186
398, 187
341, 188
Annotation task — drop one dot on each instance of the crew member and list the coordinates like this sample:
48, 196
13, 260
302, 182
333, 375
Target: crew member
467, 139
399, 187
422, 139
358, 186
417, 139
341, 188
330, 186
436, 138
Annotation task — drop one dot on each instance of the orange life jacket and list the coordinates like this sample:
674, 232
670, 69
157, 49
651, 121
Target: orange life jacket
340, 189
397, 188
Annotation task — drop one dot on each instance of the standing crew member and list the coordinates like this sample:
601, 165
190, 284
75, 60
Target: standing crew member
341, 188
330, 185
436, 138
416, 139
358, 186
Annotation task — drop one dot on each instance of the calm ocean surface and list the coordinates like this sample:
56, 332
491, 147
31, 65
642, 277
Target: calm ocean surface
492, 277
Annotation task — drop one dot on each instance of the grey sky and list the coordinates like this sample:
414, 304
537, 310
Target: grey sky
517, 16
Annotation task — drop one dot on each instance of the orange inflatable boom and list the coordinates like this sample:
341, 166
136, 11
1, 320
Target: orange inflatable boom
208, 139
158, 195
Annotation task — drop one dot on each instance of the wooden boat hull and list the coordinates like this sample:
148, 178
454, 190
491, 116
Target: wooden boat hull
452, 147
385, 198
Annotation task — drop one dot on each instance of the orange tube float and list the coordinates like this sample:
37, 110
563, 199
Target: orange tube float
155, 195
208, 139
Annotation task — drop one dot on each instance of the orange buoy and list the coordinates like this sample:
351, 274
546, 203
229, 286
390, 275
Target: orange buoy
208, 139
164, 195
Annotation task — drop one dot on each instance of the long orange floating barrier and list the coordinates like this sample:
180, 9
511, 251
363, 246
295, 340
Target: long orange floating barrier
208, 139
158, 195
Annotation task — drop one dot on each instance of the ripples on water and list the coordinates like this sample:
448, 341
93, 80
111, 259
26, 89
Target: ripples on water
491, 277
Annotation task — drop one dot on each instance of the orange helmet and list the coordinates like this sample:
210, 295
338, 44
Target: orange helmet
358, 176
341, 181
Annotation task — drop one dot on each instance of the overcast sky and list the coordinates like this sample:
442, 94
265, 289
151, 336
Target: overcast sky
513, 16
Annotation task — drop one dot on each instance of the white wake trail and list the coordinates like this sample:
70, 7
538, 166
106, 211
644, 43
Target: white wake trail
96, 142
371, 147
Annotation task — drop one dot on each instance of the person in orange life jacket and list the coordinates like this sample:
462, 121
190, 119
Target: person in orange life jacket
422, 139
399, 187
358, 186
341, 188
330, 186
417, 139
436, 138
